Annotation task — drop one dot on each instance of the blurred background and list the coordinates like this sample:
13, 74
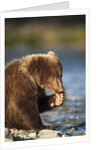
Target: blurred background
65, 35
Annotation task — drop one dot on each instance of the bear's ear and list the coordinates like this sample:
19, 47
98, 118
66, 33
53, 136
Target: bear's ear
51, 53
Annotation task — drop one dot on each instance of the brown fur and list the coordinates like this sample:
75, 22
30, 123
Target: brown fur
25, 81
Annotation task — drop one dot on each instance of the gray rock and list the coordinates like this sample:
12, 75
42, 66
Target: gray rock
8, 135
20, 135
45, 134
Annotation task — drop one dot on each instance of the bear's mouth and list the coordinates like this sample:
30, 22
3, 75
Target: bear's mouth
58, 92
55, 91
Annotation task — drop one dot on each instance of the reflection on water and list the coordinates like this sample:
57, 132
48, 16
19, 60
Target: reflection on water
72, 111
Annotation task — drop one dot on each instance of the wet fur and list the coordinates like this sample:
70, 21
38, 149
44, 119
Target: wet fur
25, 83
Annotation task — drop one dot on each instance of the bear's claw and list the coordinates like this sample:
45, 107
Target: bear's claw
59, 99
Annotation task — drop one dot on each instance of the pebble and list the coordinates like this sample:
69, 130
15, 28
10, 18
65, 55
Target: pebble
72, 129
84, 133
65, 135
33, 135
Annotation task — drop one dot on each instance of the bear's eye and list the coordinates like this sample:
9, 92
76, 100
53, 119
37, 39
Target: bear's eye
61, 76
52, 77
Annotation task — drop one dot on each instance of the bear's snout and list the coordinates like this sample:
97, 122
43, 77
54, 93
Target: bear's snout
62, 90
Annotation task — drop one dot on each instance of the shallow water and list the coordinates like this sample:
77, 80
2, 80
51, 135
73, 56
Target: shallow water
72, 112
69, 115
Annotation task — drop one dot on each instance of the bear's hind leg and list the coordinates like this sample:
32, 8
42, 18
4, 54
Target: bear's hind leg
29, 111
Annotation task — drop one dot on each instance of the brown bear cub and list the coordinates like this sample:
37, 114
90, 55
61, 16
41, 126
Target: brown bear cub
25, 82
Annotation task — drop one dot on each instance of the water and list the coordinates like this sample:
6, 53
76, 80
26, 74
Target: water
72, 112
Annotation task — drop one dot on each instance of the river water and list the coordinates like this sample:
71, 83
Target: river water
72, 112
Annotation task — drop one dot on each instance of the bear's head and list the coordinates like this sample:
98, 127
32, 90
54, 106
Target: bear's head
50, 72
46, 71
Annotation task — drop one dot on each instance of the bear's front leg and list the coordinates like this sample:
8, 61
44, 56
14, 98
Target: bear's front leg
49, 102
57, 100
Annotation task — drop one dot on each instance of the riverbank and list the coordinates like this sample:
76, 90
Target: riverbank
59, 132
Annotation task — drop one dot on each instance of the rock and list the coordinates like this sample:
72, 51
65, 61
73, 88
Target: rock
45, 134
84, 133
8, 135
20, 135
65, 135
72, 129
13, 129
81, 124
33, 135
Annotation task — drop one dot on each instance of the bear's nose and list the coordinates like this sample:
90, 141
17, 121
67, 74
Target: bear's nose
62, 90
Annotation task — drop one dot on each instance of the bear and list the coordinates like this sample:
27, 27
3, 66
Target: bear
25, 82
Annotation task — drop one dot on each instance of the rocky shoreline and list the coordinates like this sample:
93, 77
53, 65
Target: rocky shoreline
20, 135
